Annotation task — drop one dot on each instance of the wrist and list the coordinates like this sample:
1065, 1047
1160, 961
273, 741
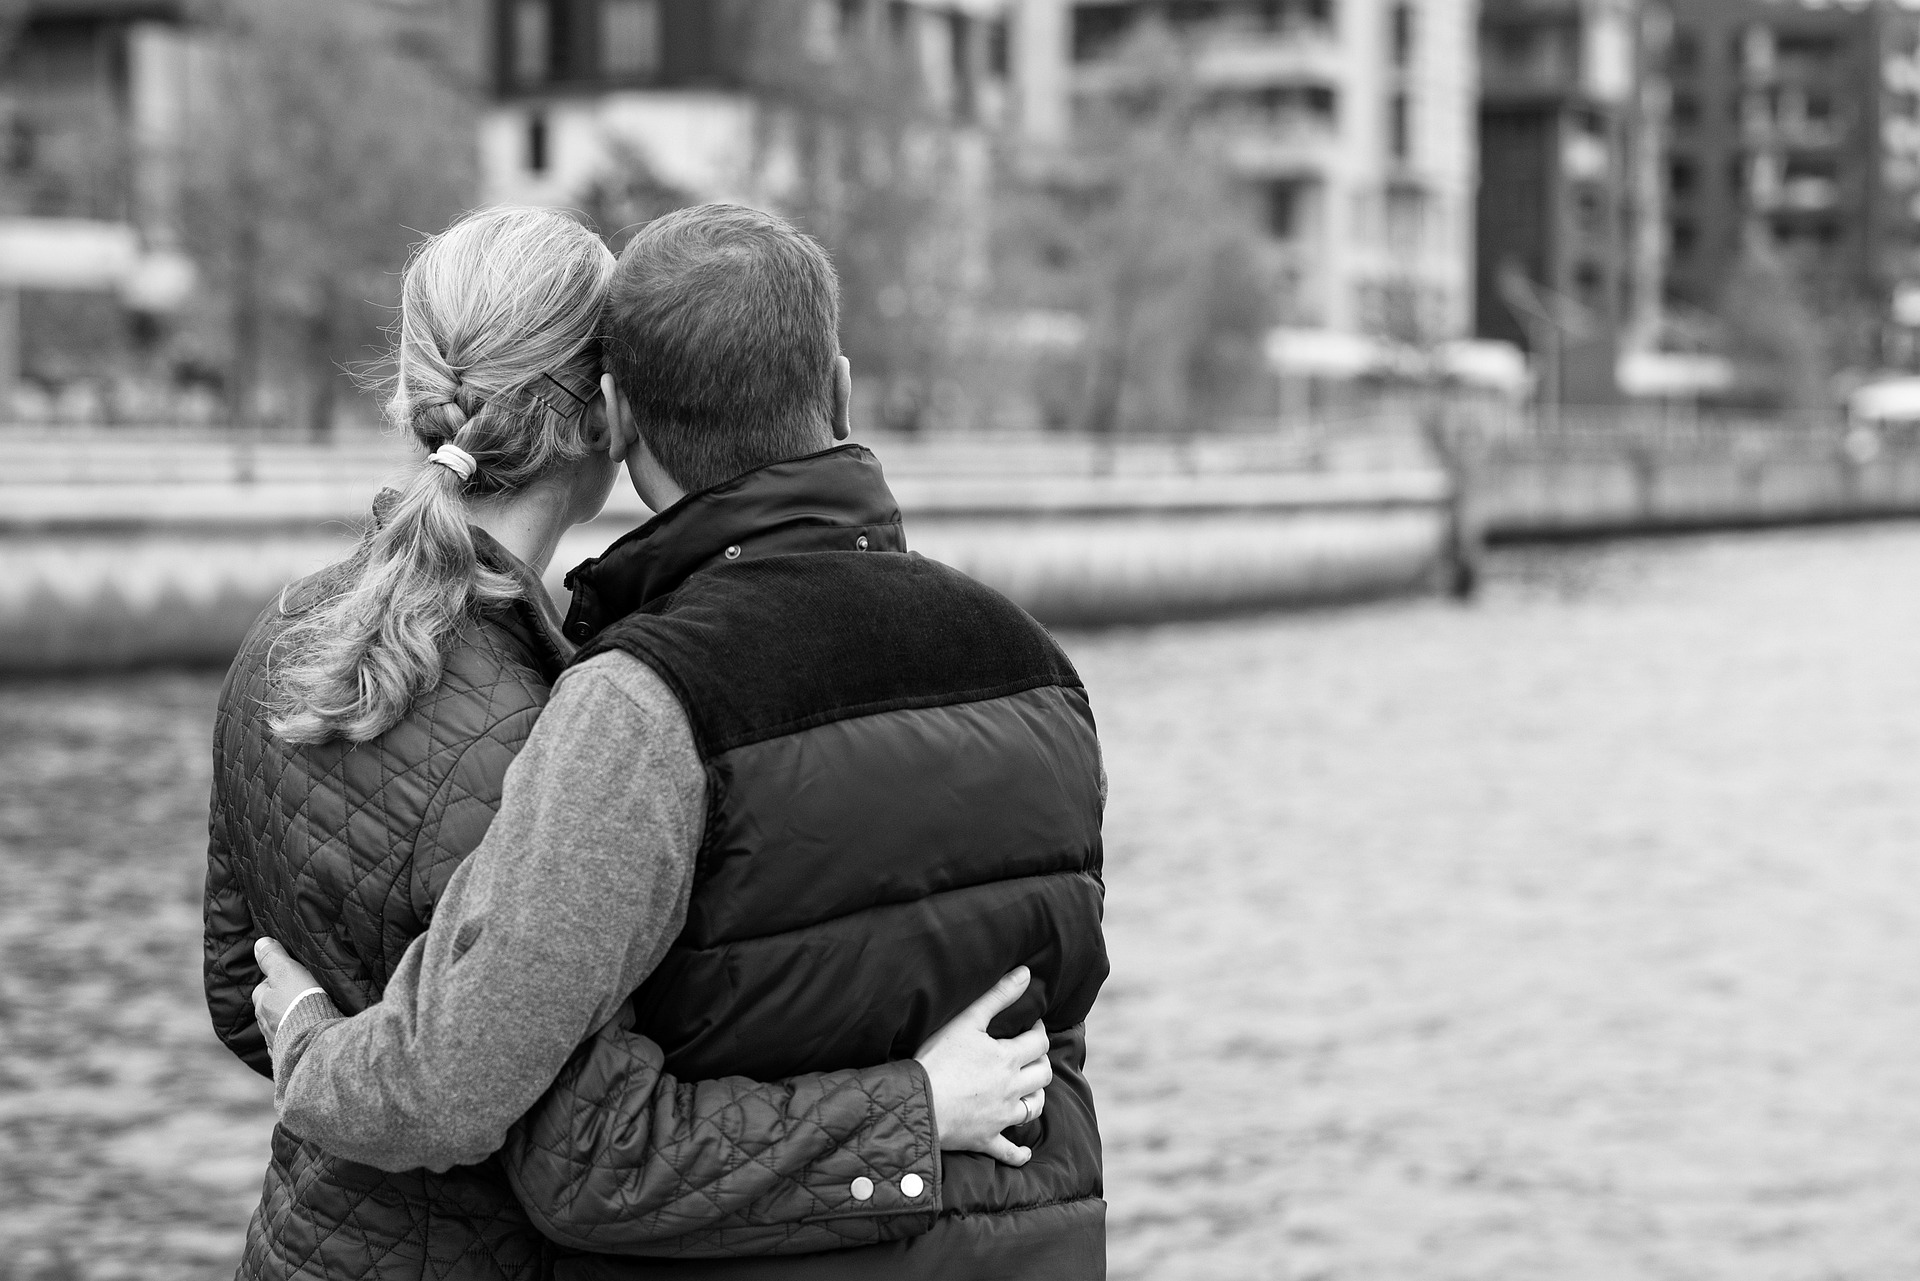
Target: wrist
309, 1009
924, 1079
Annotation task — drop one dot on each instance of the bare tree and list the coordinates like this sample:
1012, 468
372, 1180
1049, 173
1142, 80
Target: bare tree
627, 194
881, 176
1140, 231
330, 145
1773, 331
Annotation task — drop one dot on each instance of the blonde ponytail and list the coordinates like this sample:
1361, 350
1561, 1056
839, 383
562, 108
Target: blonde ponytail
499, 314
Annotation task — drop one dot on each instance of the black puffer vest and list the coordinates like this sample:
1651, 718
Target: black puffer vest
340, 851
904, 803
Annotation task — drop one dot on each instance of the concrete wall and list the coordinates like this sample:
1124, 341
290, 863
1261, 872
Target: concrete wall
158, 552
1541, 492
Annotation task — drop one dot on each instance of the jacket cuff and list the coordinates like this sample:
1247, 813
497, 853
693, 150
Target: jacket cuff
309, 1012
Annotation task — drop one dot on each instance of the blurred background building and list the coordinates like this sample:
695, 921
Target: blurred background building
1122, 215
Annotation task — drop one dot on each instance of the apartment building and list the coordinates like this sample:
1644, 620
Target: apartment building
576, 84
1797, 127
1350, 126
1569, 235
92, 101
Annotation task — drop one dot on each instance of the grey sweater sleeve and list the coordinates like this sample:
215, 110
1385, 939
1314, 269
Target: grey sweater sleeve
567, 905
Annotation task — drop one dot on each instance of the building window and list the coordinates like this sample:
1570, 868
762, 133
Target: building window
1193, 13
1098, 28
1281, 107
1587, 281
1402, 35
537, 157
20, 144
853, 16
960, 59
1280, 206
999, 49
1686, 111
1682, 176
630, 38
1590, 210
1400, 127
532, 41
1681, 237
1406, 209
1683, 55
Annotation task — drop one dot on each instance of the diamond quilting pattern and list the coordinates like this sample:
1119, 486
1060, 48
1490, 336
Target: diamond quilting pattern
339, 852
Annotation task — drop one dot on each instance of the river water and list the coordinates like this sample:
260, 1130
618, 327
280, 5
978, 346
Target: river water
1571, 934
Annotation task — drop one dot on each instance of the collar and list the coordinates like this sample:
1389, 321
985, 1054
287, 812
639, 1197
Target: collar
836, 500
533, 616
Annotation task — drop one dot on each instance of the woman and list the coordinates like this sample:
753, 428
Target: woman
366, 727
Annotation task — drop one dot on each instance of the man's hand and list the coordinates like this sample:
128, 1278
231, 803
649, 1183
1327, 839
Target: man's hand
981, 1085
287, 980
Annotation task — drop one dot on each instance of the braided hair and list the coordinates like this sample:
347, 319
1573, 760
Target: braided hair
497, 355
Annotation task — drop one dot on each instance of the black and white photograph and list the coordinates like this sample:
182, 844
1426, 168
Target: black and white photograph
959, 640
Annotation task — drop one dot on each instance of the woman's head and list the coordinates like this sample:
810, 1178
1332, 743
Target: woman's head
498, 356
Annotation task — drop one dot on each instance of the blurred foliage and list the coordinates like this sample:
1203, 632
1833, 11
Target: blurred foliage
1773, 332
879, 170
1142, 233
337, 139
628, 194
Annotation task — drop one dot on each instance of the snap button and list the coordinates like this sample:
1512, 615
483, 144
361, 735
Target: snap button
862, 1188
733, 552
861, 542
581, 631
912, 1185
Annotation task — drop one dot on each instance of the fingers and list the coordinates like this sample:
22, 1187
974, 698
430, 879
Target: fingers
1034, 1076
1029, 1045
1011, 987
1007, 1152
272, 958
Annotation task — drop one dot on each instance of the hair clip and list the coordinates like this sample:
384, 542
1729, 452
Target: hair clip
578, 390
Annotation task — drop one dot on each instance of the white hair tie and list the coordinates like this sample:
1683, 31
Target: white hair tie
456, 460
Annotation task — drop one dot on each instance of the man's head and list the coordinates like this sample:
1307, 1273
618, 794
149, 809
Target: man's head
722, 333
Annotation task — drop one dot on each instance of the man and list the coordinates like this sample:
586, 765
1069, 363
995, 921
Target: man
881, 791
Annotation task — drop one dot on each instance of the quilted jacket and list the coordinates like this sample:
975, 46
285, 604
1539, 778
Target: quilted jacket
904, 802
340, 852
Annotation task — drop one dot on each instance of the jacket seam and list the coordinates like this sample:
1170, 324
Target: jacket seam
1090, 873
880, 707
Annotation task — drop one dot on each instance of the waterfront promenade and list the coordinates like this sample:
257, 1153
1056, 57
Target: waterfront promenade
123, 548
1571, 933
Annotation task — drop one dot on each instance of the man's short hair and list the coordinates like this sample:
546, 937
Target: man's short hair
722, 324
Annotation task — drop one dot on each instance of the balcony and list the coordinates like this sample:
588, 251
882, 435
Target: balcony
1308, 54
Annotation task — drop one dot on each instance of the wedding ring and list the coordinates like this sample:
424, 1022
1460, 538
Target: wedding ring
1026, 1106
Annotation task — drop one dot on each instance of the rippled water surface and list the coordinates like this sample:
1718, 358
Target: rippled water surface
1573, 934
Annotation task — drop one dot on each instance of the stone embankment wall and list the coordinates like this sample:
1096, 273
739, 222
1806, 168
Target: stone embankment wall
131, 551
1600, 483
124, 549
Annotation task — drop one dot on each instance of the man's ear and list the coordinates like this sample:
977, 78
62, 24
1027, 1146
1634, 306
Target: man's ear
842, 398
622, 435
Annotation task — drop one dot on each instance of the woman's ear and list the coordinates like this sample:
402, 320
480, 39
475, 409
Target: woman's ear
621, 433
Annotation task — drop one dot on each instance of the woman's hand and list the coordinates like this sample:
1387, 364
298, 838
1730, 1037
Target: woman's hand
981, 1085
286, 982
